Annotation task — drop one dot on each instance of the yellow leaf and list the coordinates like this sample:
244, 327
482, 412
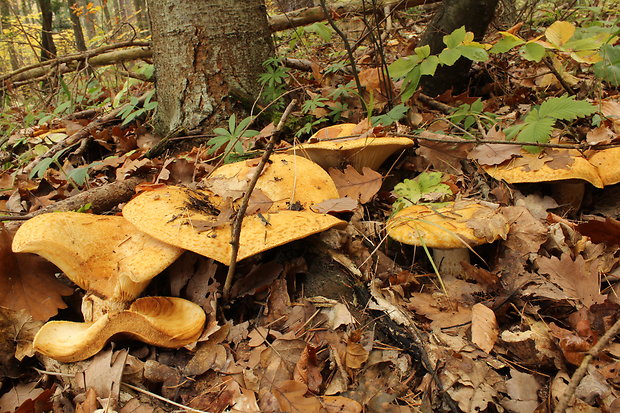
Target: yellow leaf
560, 32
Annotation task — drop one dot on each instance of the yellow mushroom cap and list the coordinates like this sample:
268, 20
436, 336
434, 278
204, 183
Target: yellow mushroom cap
607, 162
514, 172
161, 321
167, 215
458, 225
359, 152
287, 179
105, 255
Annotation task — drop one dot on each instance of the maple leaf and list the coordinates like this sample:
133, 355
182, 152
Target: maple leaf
27, 282
352, 184
575, 277
488, 154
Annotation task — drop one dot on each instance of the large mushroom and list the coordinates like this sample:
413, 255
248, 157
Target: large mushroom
359, 151
191, 219
607, 163
449, 230
113, 262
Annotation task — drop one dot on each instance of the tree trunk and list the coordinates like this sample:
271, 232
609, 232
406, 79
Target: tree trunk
290, 5
121, 9
80, 44
204, 51
5, 25
106, 19
48, 48
89, 23
141, 19
475, 15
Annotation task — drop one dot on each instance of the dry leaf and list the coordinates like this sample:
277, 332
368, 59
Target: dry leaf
488, 154
335, 205
339, 404
308, 369
104, 374
27, 282
599, 231
292, 399
354, 185
484, 330
523, 390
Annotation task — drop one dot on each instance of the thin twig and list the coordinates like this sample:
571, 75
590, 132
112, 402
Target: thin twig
236, 227
583, 367
347, 46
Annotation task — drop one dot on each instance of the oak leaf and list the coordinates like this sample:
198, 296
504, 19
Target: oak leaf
352, 184
27, 282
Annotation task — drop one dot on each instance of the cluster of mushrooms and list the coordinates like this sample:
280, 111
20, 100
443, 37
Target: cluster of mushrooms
114, 258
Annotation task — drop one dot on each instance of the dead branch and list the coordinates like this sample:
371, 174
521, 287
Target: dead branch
79, 135
236, 227
102, 199
583, 367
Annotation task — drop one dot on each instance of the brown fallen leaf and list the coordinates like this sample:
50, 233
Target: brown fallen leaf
27, 282
340, 404
484, 330
576, 278
488, 154
354, 185
601, 231
308, 369
335, 205
104, 374
292, 398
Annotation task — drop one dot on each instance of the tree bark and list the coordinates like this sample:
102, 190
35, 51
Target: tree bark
5, 24
89, 23
204, 51
48, 48
106, 19
80, 44
475, 15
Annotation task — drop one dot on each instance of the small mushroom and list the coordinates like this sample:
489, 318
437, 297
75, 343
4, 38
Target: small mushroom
607, 162
173, 215
449, 230
105, 255
569, 180
365, 151
161, 321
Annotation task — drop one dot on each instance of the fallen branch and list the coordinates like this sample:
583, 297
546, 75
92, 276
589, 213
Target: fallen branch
102, 199
79, 135
236, 227
583, 367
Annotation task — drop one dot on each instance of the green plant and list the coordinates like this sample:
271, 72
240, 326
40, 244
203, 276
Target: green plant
232, 138
459, 43
426, 188
133, 110
468, 115
394, 115
538, 123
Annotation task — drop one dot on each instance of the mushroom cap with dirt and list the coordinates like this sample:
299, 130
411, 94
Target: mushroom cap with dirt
161, 321
341, 148
568, 177
450, 230
105, 255
174, 215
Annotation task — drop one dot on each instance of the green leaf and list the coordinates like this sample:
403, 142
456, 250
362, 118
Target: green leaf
536, 129
394, 115
411, 191
429, 65
474, 53
609, 68
321, 30
401, 67
423, 51
455, 38
411, 81
506, 43
39, 170
79, 175
566, 108
449, 56
533, 52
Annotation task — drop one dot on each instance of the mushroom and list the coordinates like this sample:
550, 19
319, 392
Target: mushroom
369, 151
569, 179
287, 179
105, 255
173, 215
161, 321
606, 162
449, 230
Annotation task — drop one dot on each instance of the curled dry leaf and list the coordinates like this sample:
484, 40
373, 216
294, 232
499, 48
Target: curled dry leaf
292, 398
484, 330
27, 282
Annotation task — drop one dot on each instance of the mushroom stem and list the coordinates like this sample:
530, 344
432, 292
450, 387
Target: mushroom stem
94, 307
448, 261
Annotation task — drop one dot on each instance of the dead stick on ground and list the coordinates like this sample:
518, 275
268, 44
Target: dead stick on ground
236, 228
583, 367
